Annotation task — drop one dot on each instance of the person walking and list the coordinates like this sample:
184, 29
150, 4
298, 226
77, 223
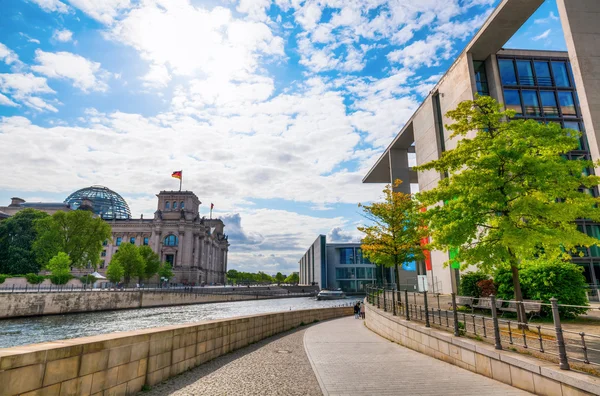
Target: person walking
362, 311
356, 311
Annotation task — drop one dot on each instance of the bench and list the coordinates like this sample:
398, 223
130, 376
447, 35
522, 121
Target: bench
532, 308
462, 301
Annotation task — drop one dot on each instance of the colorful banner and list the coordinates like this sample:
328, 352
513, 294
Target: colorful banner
426, 253
412, 266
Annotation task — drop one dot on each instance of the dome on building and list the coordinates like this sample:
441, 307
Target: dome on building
105, 202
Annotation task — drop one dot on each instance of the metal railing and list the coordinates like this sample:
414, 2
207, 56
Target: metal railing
556, 342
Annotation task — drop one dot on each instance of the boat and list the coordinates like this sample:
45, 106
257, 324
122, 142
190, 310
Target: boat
331, 295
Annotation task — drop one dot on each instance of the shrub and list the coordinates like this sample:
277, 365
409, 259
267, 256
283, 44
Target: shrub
34, 279
3, 278
60, 279
88, 279
486, 288
468, 283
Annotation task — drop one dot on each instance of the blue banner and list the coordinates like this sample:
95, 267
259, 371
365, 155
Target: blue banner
412, 266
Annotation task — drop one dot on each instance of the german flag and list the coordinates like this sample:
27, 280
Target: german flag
177, 174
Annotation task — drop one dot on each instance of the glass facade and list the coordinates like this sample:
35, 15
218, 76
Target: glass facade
171, 240
105, 203
481, 78
347, 256
146, 240
132, 240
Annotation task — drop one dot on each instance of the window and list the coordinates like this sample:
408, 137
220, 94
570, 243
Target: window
182, 205
369, 273
344, 273
174, 204
561, 75
567, 103
347, 256
512, 101
347, 285
525, 72
167, 205
594, 232
549, 103
146, 240
170, 258
132, 240
361, 273
575, 126
531, 103
171, 240
481, 78
542, 72
102, 263
507, 72
105, 242
103, 254
118, 241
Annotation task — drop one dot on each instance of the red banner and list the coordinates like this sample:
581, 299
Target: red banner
426, 253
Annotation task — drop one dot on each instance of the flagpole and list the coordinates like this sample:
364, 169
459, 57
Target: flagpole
180, 181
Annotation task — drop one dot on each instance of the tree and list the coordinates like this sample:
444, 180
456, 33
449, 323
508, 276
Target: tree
17, 235
165, 271
293, 278
510, 194
279, 278
151, 261
395, 236
131, 260
77, 233
115, 271
232, 275
59, 264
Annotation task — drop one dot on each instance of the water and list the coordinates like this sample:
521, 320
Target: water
24, 331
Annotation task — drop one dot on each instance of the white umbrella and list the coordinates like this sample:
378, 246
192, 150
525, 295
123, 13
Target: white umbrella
97, 275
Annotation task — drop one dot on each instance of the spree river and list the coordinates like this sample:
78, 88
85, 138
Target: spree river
59, 327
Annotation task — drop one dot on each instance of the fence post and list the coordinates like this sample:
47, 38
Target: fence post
394, 302
560, 341
378, 299
455, 314
406, 300
427, 324
384, 301
497, 339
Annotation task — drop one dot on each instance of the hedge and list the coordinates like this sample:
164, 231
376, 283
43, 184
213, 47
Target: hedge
34, 279
468, 283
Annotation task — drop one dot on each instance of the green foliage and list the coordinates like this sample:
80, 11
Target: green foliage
34, 279
249, 277
77, 233
60, 264
544, 279
17, 235
165, 271
468, 283
3, 278
115, 271
151, 261
88, 279
131, 260
60, 279
279, 278
293, 278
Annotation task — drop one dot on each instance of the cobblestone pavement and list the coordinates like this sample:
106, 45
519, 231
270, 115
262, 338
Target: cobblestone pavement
349, 359
275, 366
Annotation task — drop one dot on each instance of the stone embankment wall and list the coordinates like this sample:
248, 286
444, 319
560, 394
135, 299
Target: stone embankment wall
122, 363
533, 375
35, 304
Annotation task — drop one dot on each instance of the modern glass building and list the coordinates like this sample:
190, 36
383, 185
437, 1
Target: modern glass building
105, 203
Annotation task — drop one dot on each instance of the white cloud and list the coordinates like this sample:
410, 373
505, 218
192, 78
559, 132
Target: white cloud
4, 101
426, 52
157, 77
8, 56
22, 87
64, 35
256, 9
52, 5
551, 17
85, 74
542, 35
104, 11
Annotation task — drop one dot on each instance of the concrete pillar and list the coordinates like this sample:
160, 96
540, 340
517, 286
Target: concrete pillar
399, 169
178, 258
186, 247
197, 252
579, 20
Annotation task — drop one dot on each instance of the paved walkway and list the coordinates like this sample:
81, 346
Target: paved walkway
349, 359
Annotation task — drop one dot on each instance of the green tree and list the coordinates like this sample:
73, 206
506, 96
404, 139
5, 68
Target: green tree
510, 194
60, 267
17, 235
279, 278
115, 271
293, 278
263, 277
151, 261
77, 233
395, 235
165, 271
131, 260
232, 275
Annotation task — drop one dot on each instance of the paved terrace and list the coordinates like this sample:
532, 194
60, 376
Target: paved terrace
337, 357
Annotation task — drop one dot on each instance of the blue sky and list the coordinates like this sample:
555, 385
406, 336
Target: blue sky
274, 109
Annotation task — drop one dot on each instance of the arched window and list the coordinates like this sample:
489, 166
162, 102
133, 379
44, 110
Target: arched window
174, 204
171, 240
167, 205
182, 205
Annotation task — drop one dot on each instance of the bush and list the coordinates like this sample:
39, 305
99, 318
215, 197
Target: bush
544, 279
468, 283
60, 279
486, 288
34, 279
3, 278
88, 279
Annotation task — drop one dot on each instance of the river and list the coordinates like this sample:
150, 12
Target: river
32, 330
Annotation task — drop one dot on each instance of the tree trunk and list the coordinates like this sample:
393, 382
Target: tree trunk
397, 277
521, 315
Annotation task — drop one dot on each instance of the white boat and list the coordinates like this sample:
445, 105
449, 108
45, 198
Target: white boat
331, 295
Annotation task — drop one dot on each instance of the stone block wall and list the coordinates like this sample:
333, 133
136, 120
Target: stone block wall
122, 363
530, 374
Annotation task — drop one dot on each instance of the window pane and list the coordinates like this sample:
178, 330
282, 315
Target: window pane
531, 104
181, 205
549, 103
525, 72
146, 241
119, 241
507, 72
347, 256
369, 273
167, 205
361, 273
561, 76
174, 204
132, 240
542, 71
575, 125
347, 286
567, 104
594, 231
513, 101
481, 78
344, 273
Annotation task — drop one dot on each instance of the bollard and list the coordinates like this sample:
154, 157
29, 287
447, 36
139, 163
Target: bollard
560, 341
427, 324
406, 301
497, 339
456, 332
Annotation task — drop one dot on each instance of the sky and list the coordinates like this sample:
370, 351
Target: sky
273, 109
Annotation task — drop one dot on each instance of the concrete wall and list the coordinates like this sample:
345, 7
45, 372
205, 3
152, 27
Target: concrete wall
122, 363
36, 304
533, 375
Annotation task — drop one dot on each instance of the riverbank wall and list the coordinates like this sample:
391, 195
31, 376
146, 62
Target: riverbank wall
123, 363
14, 305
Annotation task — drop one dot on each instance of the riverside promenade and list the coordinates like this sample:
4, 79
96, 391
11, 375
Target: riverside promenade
335, 357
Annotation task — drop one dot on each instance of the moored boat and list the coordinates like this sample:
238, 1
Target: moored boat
331, 295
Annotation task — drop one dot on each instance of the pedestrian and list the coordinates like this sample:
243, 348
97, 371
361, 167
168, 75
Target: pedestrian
356, 311
362, 311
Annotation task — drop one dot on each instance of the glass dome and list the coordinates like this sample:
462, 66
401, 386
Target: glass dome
105, 203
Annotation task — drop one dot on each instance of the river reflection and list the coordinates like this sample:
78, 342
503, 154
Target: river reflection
59, 327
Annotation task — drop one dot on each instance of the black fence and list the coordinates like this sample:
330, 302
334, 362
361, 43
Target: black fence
451, 313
